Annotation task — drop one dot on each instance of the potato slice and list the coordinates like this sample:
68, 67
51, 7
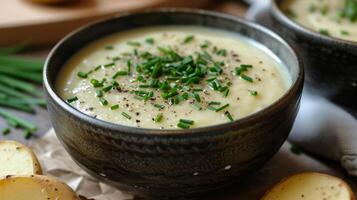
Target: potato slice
310, 186
17, 159
35, 187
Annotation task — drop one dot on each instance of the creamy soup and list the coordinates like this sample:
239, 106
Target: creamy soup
172, 77
336, 18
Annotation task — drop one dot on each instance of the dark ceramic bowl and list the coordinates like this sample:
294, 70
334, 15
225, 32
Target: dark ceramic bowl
330, 63
167, 163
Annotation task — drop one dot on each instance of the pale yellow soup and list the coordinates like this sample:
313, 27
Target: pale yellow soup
263, 82
323, 16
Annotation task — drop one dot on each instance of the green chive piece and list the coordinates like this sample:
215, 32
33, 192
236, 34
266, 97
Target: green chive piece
128, 64
290, 13
159, 106
99, 93
183, 125
72, 99
158, 118
109, 47
214, 103
211, 108
107, 88
103, 101
149, 41
134, 44
253, 92
197, 97
324, 32
222, 52
188, 39
109, 64
126, 115
197, 106
186, 121
229, 116
247, 78
226, 92
6, 131
114, 107
20, 122
82, 74
222, 108
120, 73
344, 32
27, 134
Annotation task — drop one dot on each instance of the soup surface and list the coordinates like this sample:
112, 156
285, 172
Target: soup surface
336, 18
170, 77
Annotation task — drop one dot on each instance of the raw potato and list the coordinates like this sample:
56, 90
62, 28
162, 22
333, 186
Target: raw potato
35, 187
17, 159
310, 186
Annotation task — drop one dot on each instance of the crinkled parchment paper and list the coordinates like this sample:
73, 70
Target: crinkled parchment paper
56, 162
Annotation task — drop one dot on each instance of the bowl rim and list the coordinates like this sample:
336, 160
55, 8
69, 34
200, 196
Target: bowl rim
301, 29
150, 132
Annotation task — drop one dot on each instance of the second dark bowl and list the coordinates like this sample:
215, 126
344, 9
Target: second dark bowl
171, 163
330, 63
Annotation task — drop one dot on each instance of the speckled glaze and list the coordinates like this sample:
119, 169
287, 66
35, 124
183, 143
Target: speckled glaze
171, 163
330, 63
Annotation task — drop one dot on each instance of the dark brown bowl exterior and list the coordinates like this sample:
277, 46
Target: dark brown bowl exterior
172, 163
330, 63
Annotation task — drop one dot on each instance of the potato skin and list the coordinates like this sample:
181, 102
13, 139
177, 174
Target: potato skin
37, 169
305, 174
47, 186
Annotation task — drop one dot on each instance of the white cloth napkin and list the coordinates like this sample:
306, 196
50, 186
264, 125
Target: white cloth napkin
321, 127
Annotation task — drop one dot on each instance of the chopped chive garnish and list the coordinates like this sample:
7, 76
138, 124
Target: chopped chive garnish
27, 134
6, 131
73, 99
187, 121
197, 97
211, 108
82, 74
222, 52
120, 73
226, 92
197, 106
222, 108
205, 44
183, 125
99, 93
96, 83
109, 47
128, 64
134, 44
158, 118
324, 9
188, 39
324, 32
214, 103
116, 58
247, 78
97, 68
126, 115
149, 41
109, 64
344, 32
114, 107
253, 92
229, 116
290, 13
103, 101
159, 106
106, 89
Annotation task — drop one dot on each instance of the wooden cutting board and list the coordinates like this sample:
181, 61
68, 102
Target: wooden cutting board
44, 24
